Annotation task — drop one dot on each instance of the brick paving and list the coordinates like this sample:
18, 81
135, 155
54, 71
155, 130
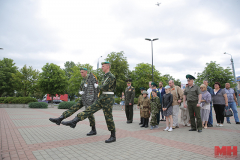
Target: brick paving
27, 134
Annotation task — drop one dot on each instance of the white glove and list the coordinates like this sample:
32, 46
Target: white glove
95, 85
81, 92
85, 85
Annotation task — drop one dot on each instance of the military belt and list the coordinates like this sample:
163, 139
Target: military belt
107, 92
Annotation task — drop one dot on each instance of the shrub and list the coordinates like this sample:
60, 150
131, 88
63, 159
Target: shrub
17, 100
117, 100
38, 105
135, 100
66, 105
2, 99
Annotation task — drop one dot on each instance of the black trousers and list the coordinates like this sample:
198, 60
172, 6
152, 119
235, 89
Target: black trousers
219, 109
129, 112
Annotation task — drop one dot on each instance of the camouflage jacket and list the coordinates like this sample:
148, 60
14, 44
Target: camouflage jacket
155, 105
139, 99
108, 83
84, 81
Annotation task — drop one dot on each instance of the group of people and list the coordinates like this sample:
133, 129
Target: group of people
194, 102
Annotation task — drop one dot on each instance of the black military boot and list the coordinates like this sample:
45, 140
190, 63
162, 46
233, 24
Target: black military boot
71, 123
143, 124
146, 124
112, 137
141, 121
92, 132
57, 120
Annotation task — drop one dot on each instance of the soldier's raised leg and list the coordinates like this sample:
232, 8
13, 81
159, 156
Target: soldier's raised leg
68, 113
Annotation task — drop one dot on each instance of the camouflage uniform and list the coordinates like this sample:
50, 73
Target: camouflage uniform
79, 105
105, 102
155, 107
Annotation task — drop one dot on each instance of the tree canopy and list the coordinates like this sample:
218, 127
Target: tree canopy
52, 80
7, 68
213, 72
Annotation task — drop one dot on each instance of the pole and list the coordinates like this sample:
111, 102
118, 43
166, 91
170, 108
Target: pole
152, 60
235, 80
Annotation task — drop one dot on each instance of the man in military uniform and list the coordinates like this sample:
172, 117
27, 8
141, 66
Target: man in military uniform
104, 102
78, 106
129, 101
194, 97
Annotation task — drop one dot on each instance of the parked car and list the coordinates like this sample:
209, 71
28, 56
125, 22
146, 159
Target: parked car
57, 101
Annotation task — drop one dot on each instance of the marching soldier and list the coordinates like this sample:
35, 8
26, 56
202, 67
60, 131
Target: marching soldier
104, 102
129, 101
78, 106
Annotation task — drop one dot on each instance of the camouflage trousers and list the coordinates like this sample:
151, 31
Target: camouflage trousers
75, 108
153, 121
104, 102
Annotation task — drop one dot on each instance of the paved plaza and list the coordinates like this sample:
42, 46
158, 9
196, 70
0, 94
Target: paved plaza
27, 134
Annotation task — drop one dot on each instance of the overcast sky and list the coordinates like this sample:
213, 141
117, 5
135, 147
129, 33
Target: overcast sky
191, 32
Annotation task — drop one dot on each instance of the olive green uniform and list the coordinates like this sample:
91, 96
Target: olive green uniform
155, 108
105, 101
145, 106
79, 105
192, 101
129, 98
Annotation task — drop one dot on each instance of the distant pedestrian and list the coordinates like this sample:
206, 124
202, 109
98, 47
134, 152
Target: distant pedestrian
145, 106
138, 105
193, 94
232, 102
205, 110
122, 103
155, 107
220, 101
161, 89
168, 108
177, 94
129, 101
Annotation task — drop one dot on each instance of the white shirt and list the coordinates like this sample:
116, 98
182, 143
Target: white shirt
149, 92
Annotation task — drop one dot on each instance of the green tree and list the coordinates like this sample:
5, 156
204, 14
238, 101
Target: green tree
75, 81
52, 80
88, 66
68, 68
215, 73
7, 68
119, 68
25, 80
141, 76
168, 77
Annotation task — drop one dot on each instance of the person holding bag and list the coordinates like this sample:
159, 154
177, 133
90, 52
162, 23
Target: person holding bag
220, 101
205, 102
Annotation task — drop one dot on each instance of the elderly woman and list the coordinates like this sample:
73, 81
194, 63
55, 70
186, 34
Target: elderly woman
220, 100
206, 99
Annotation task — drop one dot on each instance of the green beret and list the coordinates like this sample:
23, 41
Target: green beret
84, 69
154, 84
105, 62
142, 88
129, 80
189, 77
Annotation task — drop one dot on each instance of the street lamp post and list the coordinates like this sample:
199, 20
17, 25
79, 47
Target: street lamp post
234, 76
98, 63
152, 51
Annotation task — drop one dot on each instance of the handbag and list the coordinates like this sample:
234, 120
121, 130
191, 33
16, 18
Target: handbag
228, 113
